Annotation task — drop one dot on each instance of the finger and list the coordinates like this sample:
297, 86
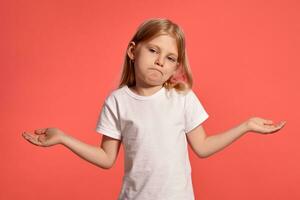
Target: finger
42, 139
28, 137
271, 129
283, 123
267, 121
31, 139
267, 128
275, 129
40, 131
280, 125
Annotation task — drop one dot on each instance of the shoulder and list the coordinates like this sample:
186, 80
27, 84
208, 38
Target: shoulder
186, 94
178, 93
187, 97
115, 95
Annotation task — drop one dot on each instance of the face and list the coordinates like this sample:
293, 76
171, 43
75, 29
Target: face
155, 61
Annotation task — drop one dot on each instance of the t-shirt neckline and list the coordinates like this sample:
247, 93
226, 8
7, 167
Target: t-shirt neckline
141, 97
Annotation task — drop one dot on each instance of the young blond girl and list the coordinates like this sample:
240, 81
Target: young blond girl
154, 113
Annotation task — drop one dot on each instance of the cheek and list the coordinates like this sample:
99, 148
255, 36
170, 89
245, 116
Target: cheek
144, 59
167, 75
173, 71
149, 58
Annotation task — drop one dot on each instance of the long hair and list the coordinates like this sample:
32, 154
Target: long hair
182, 80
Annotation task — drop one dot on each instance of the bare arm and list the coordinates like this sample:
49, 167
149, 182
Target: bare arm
103, 156
205, 146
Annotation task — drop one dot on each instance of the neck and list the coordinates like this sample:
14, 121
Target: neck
146, 91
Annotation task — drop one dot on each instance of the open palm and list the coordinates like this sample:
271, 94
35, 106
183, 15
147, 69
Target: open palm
44, 137
261, 125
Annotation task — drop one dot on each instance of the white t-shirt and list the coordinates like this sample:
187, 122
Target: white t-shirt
152, 130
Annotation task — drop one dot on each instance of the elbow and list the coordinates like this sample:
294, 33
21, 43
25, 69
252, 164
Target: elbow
203, 154
106, 163
106, 166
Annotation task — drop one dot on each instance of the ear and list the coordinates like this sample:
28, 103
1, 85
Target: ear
130, 50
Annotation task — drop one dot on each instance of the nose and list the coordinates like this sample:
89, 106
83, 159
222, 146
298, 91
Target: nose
159, 61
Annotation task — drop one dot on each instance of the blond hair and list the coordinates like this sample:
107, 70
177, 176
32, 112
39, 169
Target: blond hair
182, 80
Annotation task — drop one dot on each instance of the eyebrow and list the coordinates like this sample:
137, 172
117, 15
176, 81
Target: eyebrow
151, 44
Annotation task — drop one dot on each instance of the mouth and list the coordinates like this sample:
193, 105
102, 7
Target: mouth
157, 70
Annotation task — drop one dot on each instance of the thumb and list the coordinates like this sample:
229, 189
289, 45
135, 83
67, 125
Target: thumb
268, 121
42, 139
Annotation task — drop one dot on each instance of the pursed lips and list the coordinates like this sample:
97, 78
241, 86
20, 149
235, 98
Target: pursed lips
157, 70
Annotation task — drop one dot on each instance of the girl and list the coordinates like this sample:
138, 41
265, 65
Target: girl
155, 114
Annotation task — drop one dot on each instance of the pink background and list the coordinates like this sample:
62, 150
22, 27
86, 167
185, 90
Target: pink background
60, 59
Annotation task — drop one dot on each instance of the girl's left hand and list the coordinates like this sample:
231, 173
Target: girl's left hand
264, 126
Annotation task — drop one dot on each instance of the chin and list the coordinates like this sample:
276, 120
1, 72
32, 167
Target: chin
154, 83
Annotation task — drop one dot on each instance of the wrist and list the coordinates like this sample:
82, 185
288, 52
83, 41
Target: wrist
244, 127
64, 138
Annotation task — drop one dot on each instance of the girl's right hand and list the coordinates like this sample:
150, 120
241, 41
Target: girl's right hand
45, 137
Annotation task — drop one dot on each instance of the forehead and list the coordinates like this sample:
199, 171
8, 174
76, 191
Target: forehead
164, 42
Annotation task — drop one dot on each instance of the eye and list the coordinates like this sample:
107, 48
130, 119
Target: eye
152, 50
172, 59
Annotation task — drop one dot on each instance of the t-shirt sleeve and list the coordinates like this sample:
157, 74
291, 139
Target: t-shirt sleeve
108, 123
195, 113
